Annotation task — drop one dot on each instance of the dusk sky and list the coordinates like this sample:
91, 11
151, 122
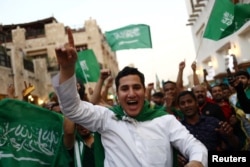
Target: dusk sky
171, 38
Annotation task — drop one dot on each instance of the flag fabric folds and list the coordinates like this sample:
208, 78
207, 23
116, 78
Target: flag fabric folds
129, 37
225, 19
87, 67
30, 136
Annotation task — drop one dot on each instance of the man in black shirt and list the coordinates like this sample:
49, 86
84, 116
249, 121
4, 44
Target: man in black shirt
206, 105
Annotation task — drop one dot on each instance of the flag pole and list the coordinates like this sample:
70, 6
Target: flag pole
85, 77
198, 49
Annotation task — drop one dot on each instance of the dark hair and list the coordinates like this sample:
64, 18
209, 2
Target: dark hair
129, 71
242, 72
216, 85
167, 82
224, 86
158, 94
184, 93
81, 91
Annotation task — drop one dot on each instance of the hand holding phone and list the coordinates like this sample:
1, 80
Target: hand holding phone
205, 72
230, 77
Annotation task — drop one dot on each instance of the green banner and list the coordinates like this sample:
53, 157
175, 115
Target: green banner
129, 37
225, 19
87, 67
30, 136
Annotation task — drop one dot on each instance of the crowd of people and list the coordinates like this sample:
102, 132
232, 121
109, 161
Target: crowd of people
172, 126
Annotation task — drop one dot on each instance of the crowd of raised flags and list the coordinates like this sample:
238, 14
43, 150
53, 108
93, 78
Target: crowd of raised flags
128, 37
225, 19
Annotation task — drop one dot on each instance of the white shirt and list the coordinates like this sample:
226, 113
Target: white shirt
130, 143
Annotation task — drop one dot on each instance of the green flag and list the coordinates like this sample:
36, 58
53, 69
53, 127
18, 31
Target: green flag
87, 67
129, 37
225, 19
30, 136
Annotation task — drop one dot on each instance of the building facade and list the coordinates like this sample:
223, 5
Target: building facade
27, 54
216, 56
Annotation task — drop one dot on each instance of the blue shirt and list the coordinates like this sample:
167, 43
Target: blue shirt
204, 130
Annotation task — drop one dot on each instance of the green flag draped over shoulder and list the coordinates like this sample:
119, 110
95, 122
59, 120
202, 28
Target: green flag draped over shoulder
30, 136
129, 37
87, 67
147, 113
225, 19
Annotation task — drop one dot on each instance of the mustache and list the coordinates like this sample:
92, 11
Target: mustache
200, 96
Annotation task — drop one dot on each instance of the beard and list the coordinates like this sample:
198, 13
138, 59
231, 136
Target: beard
200, 99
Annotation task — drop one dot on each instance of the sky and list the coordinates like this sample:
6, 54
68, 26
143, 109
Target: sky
171, 38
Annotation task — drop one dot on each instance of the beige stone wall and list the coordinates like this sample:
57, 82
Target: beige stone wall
18, 37
5, 79
55, 35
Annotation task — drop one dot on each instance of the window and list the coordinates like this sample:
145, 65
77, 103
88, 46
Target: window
28, 65
34, 33
4, 58
5, 37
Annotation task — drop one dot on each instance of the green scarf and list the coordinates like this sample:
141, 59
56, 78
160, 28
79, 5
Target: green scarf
147, 113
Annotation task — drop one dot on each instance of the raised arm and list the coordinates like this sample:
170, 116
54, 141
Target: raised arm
179, 81
66, 57
149, 89
195, 76
69, 133
241, 94
205, 80
96, 97
109, 84
65, 85
235, 63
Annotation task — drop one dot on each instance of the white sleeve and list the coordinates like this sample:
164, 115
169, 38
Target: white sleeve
92, 117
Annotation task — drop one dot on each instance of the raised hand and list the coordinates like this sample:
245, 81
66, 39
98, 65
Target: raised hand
109, 82
105, 73
182, 65
235, 63
66, 55
150, 86
193, 66
66, 58
225, 129
205, 73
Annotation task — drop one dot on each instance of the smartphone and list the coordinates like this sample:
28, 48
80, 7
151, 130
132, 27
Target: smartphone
205, 72
229, 72
230, 76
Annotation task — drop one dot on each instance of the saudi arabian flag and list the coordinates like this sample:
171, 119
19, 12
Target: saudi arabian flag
129, 37
242, 15
225, 19
30, 136
87, 67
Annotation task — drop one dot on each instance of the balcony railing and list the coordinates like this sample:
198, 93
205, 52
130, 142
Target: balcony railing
34, 33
